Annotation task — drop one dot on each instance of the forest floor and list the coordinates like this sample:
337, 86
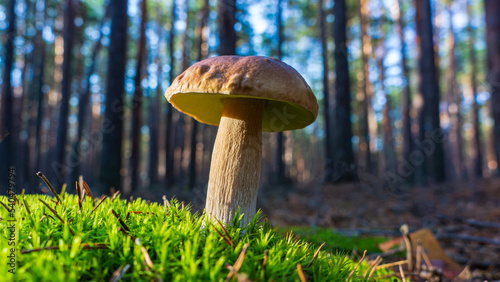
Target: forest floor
463, 216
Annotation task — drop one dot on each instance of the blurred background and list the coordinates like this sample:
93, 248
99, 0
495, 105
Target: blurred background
408, 90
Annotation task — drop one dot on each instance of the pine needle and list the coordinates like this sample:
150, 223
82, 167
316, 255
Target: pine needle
354, 270
47, 182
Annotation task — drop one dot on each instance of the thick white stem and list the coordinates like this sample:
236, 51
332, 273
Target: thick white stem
235, 168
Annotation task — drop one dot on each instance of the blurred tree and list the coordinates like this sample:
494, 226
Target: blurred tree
492, 9
169, 158
60, 167
7, 146
433, 167
84, 109
344, 168
367, 114
477, 158
112, 142
326, 96
135, 157
204, 14
279, 174
454, 100
406, 97
155, 106
227, 33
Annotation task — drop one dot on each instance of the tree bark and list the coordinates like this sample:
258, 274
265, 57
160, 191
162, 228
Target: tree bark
61, 167
366, 47
406, 98
454, 99
279, 173
155, 109
169, 137
227, 20
326, 97
477, 158
430, 133
7, 146
111, 155
492, 8
344, 168
135, 157
84, 107
194, 129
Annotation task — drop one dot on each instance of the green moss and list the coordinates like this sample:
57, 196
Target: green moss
181, 248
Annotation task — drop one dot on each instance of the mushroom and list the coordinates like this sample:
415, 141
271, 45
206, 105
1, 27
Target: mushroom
243, 96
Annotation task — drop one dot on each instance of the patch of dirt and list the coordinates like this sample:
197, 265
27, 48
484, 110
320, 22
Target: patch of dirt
464, 216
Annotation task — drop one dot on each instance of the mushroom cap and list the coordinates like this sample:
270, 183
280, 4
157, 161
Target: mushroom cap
199, 91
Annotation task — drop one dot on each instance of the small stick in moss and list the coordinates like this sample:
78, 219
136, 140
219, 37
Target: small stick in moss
87, 190
57, 215
233, 270
166, 202
357, 265
79, 193
27, 208
85, 246
316, 254
118, 274
391, 264
40, 174
5, 206
114, 195
264, 263
378, 260
122, 223
402, 273
100, 202
302, 275
225, 231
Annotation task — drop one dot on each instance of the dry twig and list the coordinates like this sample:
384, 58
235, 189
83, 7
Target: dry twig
357, 265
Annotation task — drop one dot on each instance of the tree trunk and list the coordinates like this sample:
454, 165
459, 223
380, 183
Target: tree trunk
477, 158
406, 98
367, 137
60, 168
135, 157
454, 99
492, 8
84, 107
7, 146
169, 137
326, 97
227, 20
344, 168
111, 155
194, 129
279, 173
430, 133
154, 110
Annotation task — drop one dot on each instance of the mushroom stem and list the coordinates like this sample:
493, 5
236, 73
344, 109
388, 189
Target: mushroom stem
235, 167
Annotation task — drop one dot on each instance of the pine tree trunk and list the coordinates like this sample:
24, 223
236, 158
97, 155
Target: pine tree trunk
227, 20
61, 168
406, 98
366, 47
454, 100
7, 146
169, 136
430, 133
135, 157
477, 158
155, 110
344, 168
492, 8
111, 154
326, 97
84, 107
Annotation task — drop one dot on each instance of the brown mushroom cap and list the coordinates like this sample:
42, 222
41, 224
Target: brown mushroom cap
199, 91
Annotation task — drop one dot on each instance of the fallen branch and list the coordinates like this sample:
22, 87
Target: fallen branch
467, 238
85, 246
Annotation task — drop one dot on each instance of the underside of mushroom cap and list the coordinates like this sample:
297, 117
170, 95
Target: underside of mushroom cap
200, 90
